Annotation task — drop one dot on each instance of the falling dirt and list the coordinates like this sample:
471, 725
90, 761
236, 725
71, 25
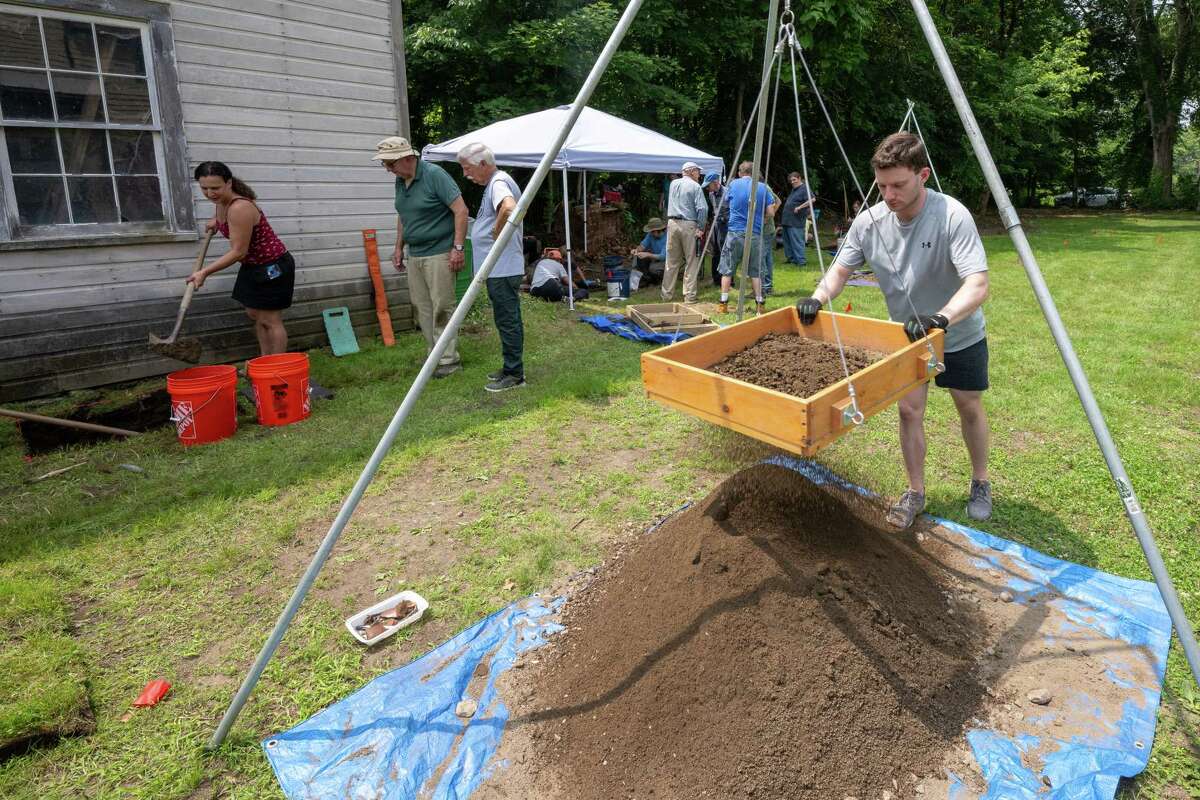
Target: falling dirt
794, 364
768, 643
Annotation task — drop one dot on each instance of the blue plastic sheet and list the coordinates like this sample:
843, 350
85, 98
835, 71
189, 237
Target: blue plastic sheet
627, 329
398, 736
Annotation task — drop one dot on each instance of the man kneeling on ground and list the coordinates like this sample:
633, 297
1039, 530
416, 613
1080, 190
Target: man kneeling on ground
650, 256
932, 269
549, 281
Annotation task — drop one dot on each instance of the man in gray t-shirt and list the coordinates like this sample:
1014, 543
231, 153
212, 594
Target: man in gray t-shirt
931, 267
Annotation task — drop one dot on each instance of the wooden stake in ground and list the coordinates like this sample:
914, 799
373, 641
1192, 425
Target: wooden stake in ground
371, 246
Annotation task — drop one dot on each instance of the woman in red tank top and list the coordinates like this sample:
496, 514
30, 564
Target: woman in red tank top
267, 276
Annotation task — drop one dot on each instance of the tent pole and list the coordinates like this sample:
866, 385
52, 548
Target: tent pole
423, 377
567, 230
583, 190
1008, 215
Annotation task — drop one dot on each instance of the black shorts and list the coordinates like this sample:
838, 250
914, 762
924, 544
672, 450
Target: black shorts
966, 369
266, 287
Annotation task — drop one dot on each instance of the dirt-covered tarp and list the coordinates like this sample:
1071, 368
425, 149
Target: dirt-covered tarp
1094, 643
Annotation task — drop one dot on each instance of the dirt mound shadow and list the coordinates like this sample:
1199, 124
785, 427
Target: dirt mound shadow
771, 642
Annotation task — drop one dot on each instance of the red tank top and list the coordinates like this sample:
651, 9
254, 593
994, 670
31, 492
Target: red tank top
265, 247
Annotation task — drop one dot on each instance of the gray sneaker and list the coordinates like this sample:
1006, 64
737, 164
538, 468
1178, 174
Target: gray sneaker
905, 510
979, 506
504, 383
445, 370
495, 376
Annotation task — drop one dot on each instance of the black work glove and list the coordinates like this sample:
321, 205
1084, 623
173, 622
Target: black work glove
808, 308
913, 328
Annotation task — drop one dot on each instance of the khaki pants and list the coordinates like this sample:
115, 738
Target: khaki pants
681, 254
431, 287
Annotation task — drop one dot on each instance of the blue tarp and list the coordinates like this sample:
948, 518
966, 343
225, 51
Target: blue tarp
399, 733
627, 329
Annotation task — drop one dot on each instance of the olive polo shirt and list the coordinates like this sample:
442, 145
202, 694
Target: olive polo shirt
424, 209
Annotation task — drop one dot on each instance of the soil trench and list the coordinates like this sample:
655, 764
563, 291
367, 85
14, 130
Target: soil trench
794, 364
144, 413
769, 642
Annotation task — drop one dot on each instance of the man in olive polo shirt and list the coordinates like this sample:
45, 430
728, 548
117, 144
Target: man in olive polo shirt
432, 221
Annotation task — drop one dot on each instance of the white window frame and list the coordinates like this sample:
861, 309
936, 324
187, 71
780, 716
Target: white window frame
152, 21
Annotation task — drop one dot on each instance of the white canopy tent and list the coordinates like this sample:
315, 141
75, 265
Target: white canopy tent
597, 142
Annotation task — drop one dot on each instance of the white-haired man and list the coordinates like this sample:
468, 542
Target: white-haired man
500, 196
687, 211
431, 219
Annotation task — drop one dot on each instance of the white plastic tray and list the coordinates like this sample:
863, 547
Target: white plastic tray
353, 622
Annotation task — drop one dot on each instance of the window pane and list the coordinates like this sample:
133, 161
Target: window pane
78, 97
92, 200
133, 152
128, 100
41, 201
121, 50
20, 41
32, 150
84, 152
141, 200
25, 95
69, 44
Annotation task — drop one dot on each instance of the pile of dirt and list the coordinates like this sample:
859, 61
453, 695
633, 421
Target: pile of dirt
770, 642
794, 364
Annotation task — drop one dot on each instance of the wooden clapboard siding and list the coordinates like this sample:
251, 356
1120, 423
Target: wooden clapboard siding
293, 96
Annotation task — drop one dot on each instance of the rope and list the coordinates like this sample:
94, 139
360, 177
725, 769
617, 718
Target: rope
913, 112
858, 186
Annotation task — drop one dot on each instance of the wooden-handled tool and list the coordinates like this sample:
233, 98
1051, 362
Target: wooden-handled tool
188, 349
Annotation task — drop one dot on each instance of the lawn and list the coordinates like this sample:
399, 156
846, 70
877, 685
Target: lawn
111, 577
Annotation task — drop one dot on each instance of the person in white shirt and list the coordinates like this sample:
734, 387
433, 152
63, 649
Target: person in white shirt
549, 280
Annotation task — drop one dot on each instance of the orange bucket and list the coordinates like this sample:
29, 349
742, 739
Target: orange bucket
280, 387
203, 403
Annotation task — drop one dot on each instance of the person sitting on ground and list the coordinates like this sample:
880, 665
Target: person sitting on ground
933, 272
650, 256
549, 280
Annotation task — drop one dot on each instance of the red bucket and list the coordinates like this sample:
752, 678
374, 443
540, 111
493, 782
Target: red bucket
280, 387
203, 403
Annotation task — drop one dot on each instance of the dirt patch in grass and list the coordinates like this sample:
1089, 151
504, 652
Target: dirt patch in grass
141, 413
794, 364
766, 643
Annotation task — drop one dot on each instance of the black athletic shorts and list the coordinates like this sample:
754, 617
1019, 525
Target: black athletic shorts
266, 287
966, 369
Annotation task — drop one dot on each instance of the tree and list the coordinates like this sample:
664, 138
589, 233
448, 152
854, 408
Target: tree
1164, 35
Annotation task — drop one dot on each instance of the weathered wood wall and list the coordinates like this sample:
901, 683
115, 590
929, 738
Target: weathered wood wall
293, 96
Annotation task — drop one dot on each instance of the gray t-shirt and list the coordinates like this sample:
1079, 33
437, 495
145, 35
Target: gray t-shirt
512, 261
933, 255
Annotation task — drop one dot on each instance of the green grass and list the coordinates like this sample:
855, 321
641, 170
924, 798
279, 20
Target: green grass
178, 572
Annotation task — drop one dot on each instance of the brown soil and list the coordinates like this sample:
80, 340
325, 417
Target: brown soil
766, 643
144, 413
794, 364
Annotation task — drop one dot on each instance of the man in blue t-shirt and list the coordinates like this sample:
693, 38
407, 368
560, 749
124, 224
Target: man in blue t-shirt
731, 255
650, 256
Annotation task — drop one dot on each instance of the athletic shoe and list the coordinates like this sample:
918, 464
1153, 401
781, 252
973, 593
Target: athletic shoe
446, 370
722, 307
979, 506
760, 308
495, 376
504, 383
902, 514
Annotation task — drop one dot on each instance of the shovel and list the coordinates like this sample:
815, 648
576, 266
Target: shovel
187, 349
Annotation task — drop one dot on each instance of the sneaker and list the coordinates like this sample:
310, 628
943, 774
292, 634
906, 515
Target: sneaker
979, 506
722, 307
446, 370
902, 514
760, 308
504, 383
495, 376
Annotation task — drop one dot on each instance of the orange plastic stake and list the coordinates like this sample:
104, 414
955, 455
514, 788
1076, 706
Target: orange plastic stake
849, 306
381, 302
154, 691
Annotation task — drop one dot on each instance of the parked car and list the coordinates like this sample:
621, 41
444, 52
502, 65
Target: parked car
1096, 197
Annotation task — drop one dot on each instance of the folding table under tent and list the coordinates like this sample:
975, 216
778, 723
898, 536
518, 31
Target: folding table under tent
598, 142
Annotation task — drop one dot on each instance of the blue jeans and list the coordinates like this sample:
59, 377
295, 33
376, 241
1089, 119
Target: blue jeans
768, 262
793, 244
505, 294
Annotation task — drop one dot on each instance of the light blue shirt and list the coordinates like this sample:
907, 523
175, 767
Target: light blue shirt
686, 200
739, 204
655, 244
512, 260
